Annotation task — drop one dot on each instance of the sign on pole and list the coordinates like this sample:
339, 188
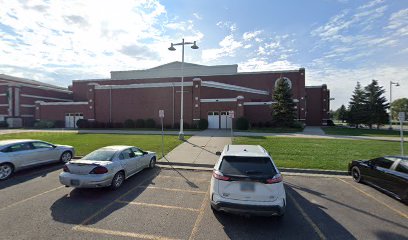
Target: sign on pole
161, 116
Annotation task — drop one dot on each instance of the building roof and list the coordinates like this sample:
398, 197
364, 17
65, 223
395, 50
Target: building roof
30, 82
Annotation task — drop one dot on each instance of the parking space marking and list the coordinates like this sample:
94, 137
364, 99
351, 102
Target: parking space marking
87, 220
173, 189
27, 199
308, 219
120, 233
371, 196
200, 215
156, 205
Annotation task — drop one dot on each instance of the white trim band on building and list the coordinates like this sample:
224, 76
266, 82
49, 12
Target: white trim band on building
4, 105
144, 85
26, 115
27, 105
50, 98
258, 103
61, 103
3, 94
232, 87
213, 100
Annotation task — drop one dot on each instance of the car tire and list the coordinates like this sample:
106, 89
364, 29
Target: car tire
66, 157
356, 174
152, 162
117, 180
6, 170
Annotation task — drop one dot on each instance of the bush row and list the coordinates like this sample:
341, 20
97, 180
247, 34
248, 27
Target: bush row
243, 124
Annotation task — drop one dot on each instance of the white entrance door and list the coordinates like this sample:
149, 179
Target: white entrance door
69, 120
213, 120
226, 121
77, 117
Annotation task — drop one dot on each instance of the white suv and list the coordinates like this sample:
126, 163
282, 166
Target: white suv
245, 180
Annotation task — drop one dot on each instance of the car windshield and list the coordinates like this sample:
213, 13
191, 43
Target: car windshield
247, 166
100, 155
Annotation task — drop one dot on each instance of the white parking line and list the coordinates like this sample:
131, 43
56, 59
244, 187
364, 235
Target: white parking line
120, 233
200, 215
157, 205
27, 199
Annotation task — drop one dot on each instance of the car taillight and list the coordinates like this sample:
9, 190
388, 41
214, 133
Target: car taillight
99, 170
275, 179
65, 168
218, 175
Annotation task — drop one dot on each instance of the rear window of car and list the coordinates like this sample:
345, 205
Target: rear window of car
247, 166
100, 155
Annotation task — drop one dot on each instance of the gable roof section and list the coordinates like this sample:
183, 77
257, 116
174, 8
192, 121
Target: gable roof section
32, 83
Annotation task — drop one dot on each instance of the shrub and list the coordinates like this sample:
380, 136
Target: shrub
59, 124
82, 123
44, 124
118, 125
242, 123
129, 123
203, 124
297, 124
260, 124
150, 123
267, 124
140, 123
186, 125
330, 123
3, 124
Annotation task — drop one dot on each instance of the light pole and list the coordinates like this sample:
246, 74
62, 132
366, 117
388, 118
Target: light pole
396, 84
171, 48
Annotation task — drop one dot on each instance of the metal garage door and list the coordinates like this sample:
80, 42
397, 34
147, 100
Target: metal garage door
72, 118
213, 120
226, 121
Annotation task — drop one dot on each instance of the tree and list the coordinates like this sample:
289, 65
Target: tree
399, 105
283, 111
341, 113
356, 109
375, 105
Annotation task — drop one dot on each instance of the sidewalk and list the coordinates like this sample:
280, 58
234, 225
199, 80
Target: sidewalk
199, 150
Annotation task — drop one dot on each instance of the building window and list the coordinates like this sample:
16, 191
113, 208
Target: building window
283, 79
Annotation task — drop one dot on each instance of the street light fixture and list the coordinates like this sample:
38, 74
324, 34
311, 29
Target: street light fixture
397, 85
172, 48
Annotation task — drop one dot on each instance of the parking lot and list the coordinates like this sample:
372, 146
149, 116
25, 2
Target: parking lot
174, 204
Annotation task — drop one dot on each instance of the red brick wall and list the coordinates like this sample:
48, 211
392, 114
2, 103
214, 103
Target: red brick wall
318, 105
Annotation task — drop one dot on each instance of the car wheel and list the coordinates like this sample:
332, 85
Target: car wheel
356, 174
117, 180
6, 170
66, 157
152, 163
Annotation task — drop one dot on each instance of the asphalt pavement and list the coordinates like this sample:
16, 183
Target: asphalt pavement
174, 204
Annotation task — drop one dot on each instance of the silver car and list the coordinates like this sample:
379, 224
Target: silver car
106, 167
25, 153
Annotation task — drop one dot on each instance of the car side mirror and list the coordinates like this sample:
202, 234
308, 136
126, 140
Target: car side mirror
218, 153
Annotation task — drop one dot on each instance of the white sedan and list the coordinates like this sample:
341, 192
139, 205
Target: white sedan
106, 167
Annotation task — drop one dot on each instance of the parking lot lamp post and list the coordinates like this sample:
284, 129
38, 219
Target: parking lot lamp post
390, 117
172, 48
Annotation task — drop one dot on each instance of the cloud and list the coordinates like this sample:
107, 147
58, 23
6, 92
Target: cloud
247, 36
228, 47
262, 64
399, 22
197, 16
139, 52
227, 25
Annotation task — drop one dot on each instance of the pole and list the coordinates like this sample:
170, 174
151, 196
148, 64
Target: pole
402, 138
162, 145
390, 117
181, 134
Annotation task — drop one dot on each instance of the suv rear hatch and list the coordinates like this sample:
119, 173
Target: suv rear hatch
248, 179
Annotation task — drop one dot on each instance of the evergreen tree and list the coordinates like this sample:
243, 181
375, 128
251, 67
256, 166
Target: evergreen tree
283, 111
375, 105
356, 111
342, 113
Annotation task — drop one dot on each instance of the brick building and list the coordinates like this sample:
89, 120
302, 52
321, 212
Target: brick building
209, 93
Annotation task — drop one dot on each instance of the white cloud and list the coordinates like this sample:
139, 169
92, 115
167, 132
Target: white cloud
228, 47
399, 22
196, 15
247, 36
262, 64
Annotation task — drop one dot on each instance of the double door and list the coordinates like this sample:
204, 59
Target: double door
219, 120
72, 118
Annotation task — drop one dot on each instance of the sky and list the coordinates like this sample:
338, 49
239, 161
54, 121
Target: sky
338, 42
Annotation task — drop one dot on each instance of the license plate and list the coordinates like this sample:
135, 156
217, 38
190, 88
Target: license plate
74, 182
247, 187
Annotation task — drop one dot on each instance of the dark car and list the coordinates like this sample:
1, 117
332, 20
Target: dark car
389, 174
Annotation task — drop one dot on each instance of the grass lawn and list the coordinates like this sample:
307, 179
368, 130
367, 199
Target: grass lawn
362, 132
272, 130
85, 143
333, 154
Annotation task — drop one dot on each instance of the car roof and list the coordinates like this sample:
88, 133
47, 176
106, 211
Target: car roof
116, 147
13, 141
245, 151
